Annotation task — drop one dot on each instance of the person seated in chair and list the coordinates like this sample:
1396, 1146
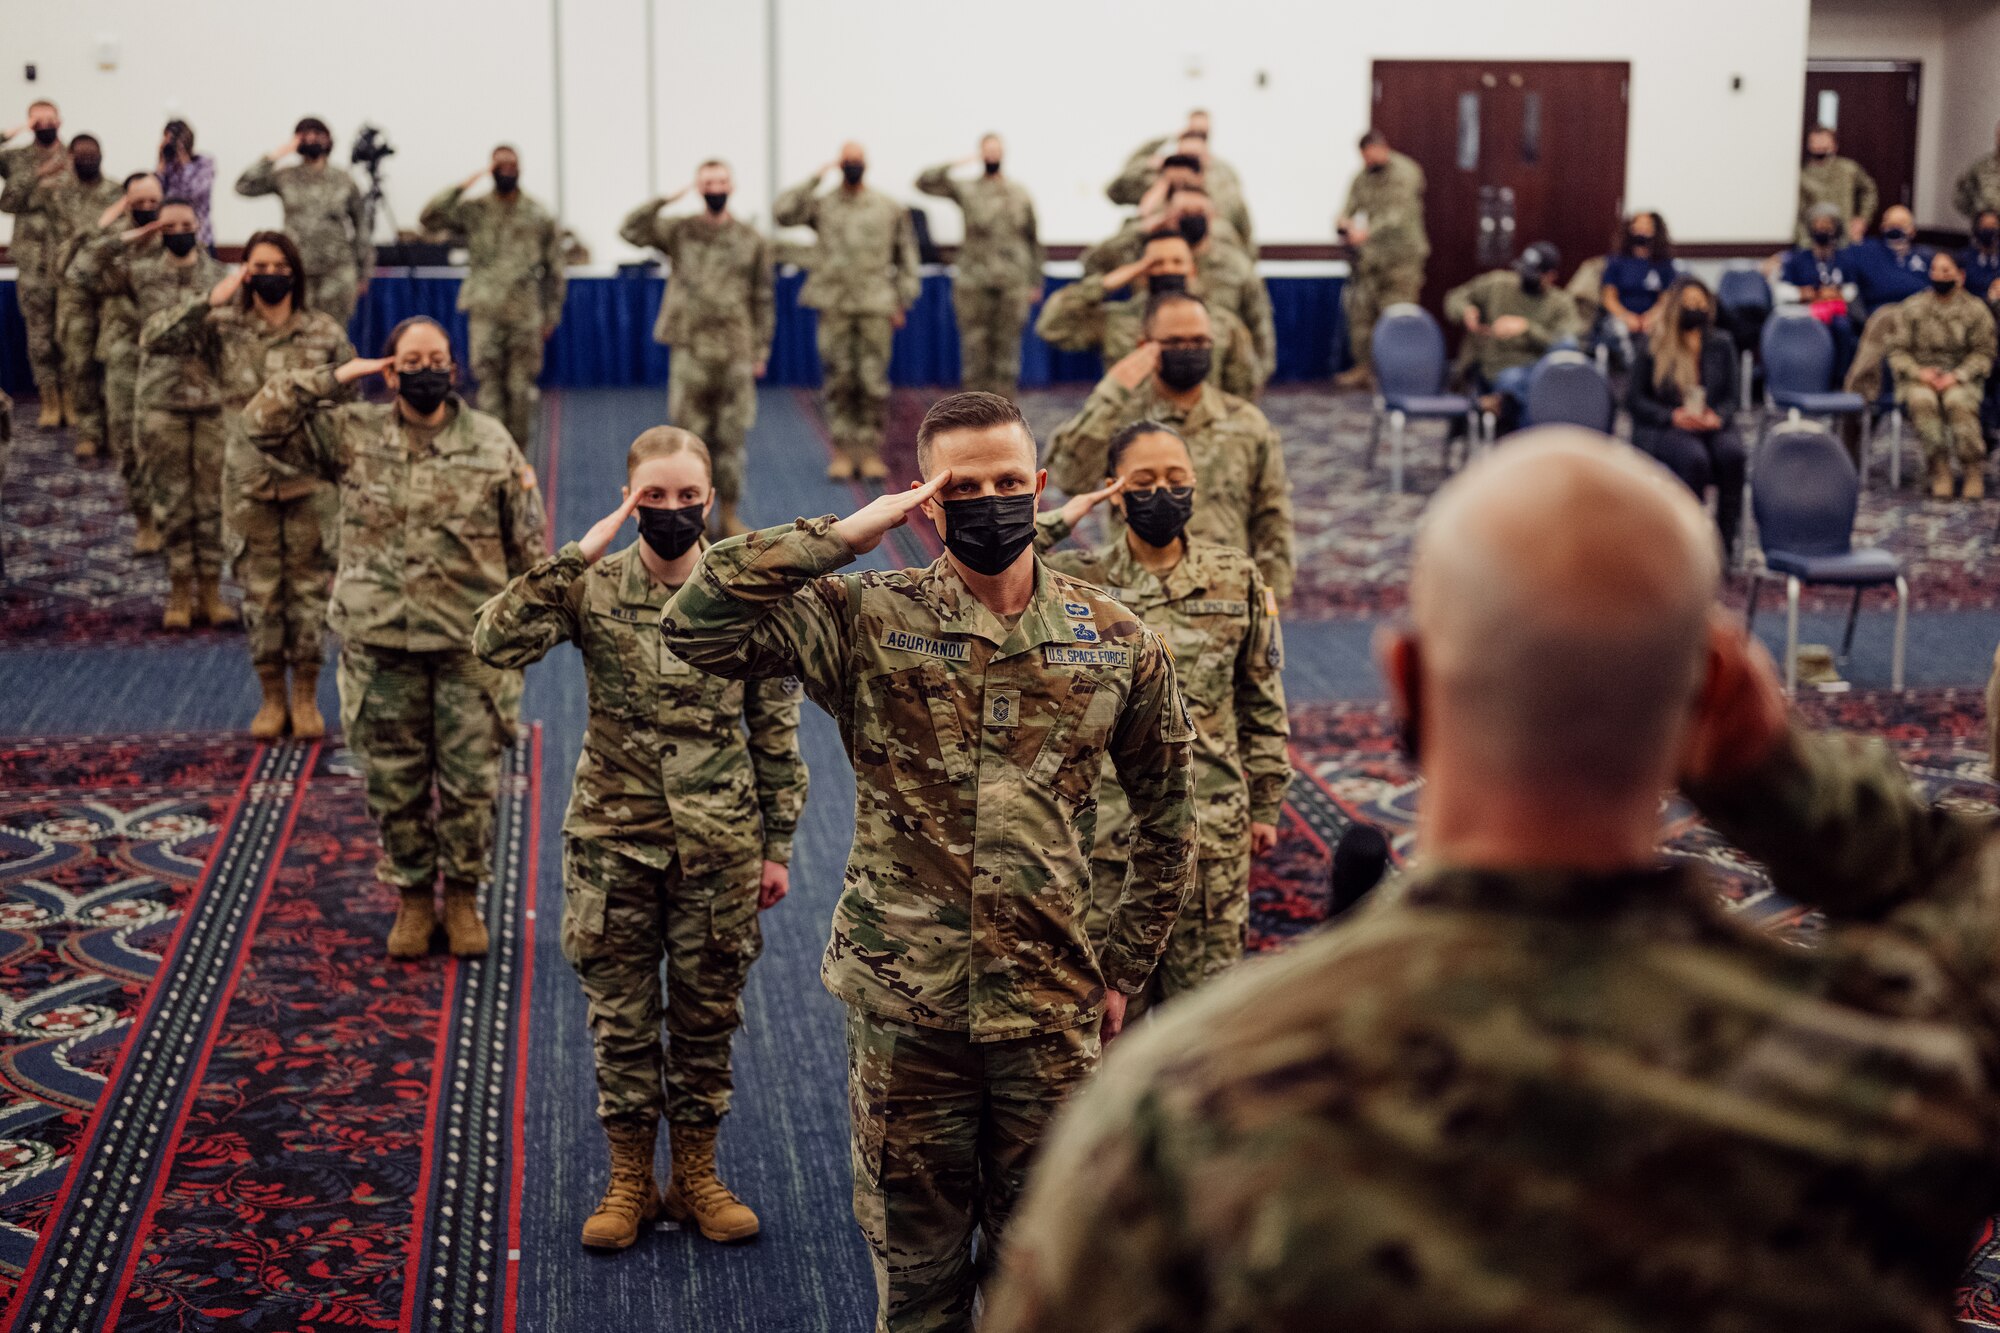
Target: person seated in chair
1887, 269
1639, 269
1981, 262
1682, 396
1812, 275
1941, 354
1512, 317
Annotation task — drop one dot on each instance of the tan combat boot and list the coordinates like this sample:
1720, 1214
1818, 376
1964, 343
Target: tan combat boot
147, 540
697, 1193
180, 602
52, 413
841, 468
873, 468
1975, 482
464, 932
86, 447
269, 724
1355, 377
416, 919
1940, 478
631, 1199
214, 609
307, 724
726, 521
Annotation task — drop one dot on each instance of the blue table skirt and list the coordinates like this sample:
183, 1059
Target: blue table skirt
606, 338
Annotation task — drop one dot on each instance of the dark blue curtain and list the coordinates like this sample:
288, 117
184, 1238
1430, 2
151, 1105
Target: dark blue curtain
606, 338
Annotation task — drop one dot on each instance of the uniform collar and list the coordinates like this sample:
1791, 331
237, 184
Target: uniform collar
1122, 569
1671, 889
959, 612
636, 586
1204, 410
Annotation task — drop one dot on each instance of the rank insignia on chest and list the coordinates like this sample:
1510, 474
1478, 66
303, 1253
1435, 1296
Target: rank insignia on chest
1003, 708
1083, 633
1077, 611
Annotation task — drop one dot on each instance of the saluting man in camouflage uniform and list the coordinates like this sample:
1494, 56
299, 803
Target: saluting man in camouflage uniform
324, 212
101, 274
718, 316
1243, 498
1978, 189
1545, 1082
998, 276
1941, 352
251, 325
438, 510
1382, 222
37, 178
1082, 317
864, 280
88, 201
513, 289
978, 700
1213, 610
679, 831
1828, 178
1147, 167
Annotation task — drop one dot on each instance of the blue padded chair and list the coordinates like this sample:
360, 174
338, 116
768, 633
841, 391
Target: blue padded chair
1410, 371
1565, 388
1804, 493
1743, 306
1798, 355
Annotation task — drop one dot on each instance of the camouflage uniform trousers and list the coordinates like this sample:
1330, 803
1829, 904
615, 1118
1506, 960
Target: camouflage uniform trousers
990, 320
422, 722
1373, 287
82, 377
854, 371
121, 430
181, 458
621, 919
36, 294
1208, 935
337, 292
506, 360
281, 552
944, 1131
1948, 422
716, 398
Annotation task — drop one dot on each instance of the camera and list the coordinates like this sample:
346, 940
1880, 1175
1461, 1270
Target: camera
370, 147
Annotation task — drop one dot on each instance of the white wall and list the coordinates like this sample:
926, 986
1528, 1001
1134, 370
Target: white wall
1905, 30
1074, 84
1972, 89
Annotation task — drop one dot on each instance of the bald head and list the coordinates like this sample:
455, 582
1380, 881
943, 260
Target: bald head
1561, 596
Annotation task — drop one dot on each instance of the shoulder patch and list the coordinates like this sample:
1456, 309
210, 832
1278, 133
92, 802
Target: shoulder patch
527, 477
1062, 654
1270, 603
905, 641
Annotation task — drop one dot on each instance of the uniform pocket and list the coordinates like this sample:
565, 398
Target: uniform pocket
913, 728
1071, 759
582, 922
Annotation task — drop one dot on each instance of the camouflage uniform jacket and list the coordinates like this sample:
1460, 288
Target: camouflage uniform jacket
432, 524
1839, 181
665, 770
1224, 186
866, 259
324, 213
1078, 318
175, 377
516, 270
244, 353
977, 752
1228, 280
1221, 624
1550, 312
1979, 188
1242, 497
719, 303
1001, 250
1393, 200
1954, 333
1565, 1102
102, 271
48, 210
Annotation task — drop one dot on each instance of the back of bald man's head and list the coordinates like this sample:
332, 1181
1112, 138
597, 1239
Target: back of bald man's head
1561, 596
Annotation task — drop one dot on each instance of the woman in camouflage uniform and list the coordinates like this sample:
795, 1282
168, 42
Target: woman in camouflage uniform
279, 512
679, 831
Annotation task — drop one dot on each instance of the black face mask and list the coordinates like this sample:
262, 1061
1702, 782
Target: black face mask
993, 168
270, 288
1825, 239
1822, 155
46, 134
1988, 237
144, 216
312, 150
1160, 515
1639, 245
852, 172
1944, 286
988, 533
1194, 228
423, 390
1532, 286
670, 531
89, 170
1166, 282
179, 243
1181, 368
506, 182
1895, 234
1693, 319
716, 202
1377, 168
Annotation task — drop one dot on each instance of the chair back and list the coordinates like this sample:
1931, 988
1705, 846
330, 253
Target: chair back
1797, 352
1408, 352
1567, 388
1804, 491
1743, 289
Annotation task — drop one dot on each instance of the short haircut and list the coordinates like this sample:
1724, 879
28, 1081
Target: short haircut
289, 248
1159, 301
967, 411
178, 201
1949, 258
1167, 233
137, 176
1185, 161
90, 139
1374, 139
1822, 129
311, 124
665, 442
404, 326
1984, 214
713, 162
43, 101
500, 148
1137, 430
